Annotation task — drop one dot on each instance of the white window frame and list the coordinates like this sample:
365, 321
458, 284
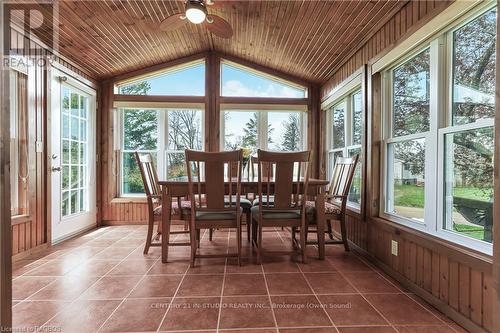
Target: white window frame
262, 116
441, 86
343, 95
162, 150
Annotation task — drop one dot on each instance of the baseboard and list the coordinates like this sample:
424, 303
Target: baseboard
74, 234
117, 223
27, 253
422, 293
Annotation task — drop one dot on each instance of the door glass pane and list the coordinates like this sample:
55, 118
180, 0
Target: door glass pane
74, 153
469, 183
285, 131
410, 88
405, 195
185, 129
474, 55
338, 131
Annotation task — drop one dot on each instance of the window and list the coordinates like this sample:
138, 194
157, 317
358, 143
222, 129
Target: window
165, 133
439, 146
247, 129
345, 131
19, 153
185, 80
242, 81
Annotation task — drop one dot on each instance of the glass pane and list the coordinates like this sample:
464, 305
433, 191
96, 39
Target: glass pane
65, 151
65, 177
176, 166
75, 104
83, 106
73, 199
65, 100
65, 204
474, 69
285, 131
74, 152
140, 129
185, 129
74, 128
357, 118
241, 131
83, 130
65, 126
132, 181
83, 177
405, 195
355, 191
83, 153
338, 139
187, 81
82, 200
239, 81
410, 85
469, 183
74, 177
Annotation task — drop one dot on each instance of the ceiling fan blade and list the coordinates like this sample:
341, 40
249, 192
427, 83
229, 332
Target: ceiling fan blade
173, 22
218, 26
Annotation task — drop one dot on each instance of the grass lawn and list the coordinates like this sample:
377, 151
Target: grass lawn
413, 196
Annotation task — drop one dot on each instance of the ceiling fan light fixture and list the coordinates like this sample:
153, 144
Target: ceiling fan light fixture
196, 11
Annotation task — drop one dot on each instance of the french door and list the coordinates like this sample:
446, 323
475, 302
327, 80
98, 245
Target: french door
72, 161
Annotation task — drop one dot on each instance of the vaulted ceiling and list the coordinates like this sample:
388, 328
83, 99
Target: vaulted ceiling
308, 39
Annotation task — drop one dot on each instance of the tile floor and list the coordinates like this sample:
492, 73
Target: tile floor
101, 282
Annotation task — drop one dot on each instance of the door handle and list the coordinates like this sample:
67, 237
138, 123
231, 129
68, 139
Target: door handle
54, 169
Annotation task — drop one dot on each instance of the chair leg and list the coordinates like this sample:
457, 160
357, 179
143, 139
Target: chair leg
198, 238
303, 233
294, 240
259, 244
194, 246
238, 241
329, 228
210, 234
149, 236
249, 224
254, 232
343, 231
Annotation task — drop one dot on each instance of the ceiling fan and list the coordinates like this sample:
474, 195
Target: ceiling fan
196, 12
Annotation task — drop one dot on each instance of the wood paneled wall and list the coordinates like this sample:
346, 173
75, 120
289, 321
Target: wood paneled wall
30, 232
456, 280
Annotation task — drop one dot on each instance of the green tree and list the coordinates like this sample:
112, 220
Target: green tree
291, 136
250, 131
140, 88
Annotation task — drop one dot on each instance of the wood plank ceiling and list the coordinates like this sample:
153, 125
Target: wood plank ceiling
307, 39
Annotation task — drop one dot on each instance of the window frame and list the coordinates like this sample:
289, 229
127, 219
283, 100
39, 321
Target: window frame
441, 84
352, 87
162, 152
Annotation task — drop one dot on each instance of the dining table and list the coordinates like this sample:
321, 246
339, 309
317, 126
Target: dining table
179, 187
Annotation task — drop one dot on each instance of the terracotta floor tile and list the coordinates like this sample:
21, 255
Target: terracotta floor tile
30, 314
316, 265
279, 265
157, 286
351, 310
367, 329
329, 283
174, 267
248, 265
208, 266
154, 253
94, 267
287, 283
137, 315
83, 316
308, 330
425, 329
132, 267
246, 312
22, 266
370, 282
399, 309
192, 314
299, 311
110, 287
25, 286
117, 253
55, 267
244, 284
201, 285
348, 262
65, 288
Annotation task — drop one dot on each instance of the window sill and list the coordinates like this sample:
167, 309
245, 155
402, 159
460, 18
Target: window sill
460, 253
129, 200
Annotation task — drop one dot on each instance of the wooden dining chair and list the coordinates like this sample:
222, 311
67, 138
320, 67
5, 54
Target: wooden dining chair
210, 175
336, 199
289, 191
267, 169
153, 195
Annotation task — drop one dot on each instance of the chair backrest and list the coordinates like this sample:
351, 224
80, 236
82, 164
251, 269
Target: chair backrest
214, 179
343, 173
148, 175
252, 168
280, 175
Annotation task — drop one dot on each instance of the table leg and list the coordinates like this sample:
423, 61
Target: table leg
320, 221
166, 204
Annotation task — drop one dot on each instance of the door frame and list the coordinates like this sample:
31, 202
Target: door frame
88, 87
